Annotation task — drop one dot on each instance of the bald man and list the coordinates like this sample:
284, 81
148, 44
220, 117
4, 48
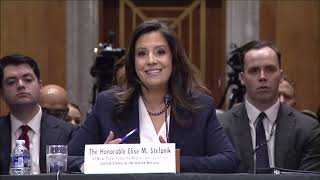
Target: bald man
54, 101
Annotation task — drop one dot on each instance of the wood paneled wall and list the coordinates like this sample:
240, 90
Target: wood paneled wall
294, 26
36, 29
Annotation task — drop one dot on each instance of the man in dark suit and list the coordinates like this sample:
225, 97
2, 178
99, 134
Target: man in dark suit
54, 101
265, 132
20, 89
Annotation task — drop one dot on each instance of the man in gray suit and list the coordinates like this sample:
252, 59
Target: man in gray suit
265, 132
20, 89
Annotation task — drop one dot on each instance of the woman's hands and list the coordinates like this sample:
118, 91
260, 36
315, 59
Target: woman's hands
161, 139
111, 139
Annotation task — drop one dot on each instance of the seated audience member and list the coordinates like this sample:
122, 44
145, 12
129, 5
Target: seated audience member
20, 89
160, 84
54, 101
265, 132
311, 114
287, 96
74, 114
287, 93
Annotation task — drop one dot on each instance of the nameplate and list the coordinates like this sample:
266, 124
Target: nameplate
129, 158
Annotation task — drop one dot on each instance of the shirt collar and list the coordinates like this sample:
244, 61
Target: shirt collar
34, 124
253, 112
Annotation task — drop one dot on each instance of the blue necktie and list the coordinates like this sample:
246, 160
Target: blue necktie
262, 157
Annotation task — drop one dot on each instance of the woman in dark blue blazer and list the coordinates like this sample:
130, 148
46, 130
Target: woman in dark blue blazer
166, 103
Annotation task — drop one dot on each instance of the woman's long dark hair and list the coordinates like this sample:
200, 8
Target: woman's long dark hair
182, 83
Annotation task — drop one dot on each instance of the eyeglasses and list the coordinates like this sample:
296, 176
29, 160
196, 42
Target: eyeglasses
58, 113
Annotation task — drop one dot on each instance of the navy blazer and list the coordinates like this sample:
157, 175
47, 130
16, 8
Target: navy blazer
204, 146
297, 139
52, 131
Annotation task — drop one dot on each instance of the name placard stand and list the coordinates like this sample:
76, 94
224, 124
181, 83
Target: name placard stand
131, 158
177, 160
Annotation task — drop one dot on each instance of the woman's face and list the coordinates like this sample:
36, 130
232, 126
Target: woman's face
153, 60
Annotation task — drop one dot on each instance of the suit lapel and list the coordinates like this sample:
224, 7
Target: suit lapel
5, 144
284, 132
243, 135
175, 131
130, 122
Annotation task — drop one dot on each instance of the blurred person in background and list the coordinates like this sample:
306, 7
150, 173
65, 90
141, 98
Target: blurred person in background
54, 101
287, 96
74, 114
287, 92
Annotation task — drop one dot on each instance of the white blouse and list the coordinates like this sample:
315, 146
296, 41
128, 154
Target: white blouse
147, 131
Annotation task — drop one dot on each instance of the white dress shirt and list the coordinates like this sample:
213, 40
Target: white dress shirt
34, 138
147, 131
268, 123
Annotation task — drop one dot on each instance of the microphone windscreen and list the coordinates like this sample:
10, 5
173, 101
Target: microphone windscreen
167, 99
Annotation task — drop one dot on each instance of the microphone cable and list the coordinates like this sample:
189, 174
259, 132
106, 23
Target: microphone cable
265, 143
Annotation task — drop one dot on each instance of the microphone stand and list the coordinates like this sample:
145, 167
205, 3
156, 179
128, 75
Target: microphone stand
167, 101
167, 134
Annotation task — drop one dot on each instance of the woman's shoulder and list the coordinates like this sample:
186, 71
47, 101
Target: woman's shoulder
199, 102
203, 98
109, 92
107, 95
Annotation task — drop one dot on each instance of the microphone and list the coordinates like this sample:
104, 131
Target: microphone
167, 102
167, 99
